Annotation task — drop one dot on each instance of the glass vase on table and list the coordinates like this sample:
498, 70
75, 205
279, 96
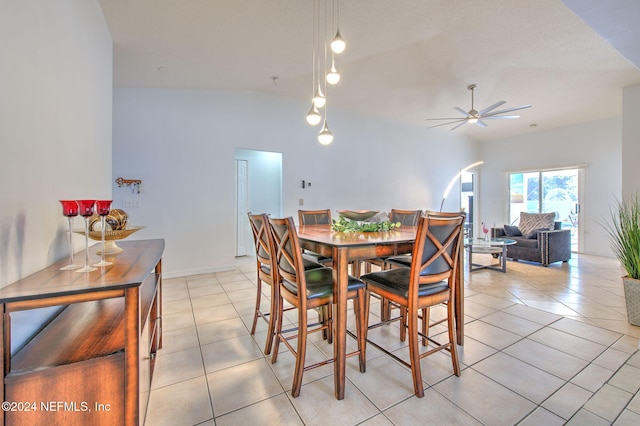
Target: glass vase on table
86, 211
70, 210
103, 207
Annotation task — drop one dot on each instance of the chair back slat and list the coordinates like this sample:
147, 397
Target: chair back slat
288, 256
314, 217
436, 250
405, 217
261, 237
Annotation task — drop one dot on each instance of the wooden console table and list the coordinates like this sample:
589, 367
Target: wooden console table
92, 362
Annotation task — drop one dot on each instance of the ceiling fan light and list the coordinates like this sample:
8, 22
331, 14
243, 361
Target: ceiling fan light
338, 44
472, 120
325, 137
313, 116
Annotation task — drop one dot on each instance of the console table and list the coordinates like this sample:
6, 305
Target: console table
92, 362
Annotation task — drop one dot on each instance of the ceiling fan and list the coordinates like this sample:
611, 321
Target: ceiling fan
477, 117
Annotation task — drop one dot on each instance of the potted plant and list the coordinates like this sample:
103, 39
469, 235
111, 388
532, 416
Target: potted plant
624, 231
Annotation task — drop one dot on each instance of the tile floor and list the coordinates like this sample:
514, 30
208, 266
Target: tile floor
543, 346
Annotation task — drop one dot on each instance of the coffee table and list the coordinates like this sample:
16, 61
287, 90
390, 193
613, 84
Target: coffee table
494, 246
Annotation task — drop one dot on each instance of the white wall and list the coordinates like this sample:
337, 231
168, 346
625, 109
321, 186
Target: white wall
55, 131
55, 125
597, 144
630, 140
182, 144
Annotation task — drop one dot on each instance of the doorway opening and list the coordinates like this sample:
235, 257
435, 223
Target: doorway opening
467, 200
258, 190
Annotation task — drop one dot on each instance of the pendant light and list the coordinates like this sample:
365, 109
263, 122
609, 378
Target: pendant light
333, 77
338, 44
318, 98
321, 45
313, 116
325, 137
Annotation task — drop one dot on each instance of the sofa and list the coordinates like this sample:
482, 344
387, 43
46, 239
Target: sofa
538, 239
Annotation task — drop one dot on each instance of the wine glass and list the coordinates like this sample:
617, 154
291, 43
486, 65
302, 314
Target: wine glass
86, 211
103, 207
70, 210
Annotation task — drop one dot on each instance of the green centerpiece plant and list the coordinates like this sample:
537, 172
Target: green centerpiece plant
342, 224
624, 232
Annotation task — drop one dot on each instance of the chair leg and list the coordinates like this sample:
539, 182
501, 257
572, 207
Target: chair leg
257, 309
301, 353
322, 315
414, 354
452, 338
328, 309
361, 308
385, 309
426, 312
278, 333
403, 324
273, 317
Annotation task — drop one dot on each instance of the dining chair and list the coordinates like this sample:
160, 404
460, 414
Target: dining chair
267, 272
304, 290
405, 218
428, 282
315, 217
404, 261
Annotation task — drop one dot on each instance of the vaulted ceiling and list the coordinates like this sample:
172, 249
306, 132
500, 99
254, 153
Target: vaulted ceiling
406, 60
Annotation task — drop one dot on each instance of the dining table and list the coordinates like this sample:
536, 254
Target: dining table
353, 247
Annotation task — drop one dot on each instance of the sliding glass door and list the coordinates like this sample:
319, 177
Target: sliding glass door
547, 191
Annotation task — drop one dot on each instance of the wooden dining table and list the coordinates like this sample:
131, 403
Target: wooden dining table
347, 247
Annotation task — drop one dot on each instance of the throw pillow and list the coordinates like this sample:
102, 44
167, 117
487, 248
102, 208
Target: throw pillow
531, 221
512, 231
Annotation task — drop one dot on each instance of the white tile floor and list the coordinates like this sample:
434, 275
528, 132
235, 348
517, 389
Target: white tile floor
543, 346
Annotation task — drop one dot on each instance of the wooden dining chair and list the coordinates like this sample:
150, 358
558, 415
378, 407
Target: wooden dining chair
307, 289
404, 261
315, 217
405, 218
267, 272
430, 281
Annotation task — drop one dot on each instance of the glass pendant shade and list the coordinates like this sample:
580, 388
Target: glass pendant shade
332, 76
313, 116
338, 44
325, 137
318, 98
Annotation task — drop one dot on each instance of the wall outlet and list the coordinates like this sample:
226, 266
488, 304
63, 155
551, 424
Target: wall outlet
301, 202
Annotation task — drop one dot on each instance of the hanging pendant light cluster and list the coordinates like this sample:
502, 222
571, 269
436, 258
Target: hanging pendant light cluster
320, 66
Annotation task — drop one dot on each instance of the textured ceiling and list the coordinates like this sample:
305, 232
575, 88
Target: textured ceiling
406, 60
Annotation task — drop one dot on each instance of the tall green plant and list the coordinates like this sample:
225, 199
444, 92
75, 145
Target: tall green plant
624, 231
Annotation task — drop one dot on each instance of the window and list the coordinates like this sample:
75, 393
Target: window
546, 191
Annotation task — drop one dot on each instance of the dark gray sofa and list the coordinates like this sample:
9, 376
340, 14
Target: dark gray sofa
549, 246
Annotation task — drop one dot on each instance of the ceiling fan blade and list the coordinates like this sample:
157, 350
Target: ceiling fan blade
494, 106
461, 111
448, 118
502, 111
495, 117
464, 120
481, 123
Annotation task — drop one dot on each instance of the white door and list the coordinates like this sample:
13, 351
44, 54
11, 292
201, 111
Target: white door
242, 222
